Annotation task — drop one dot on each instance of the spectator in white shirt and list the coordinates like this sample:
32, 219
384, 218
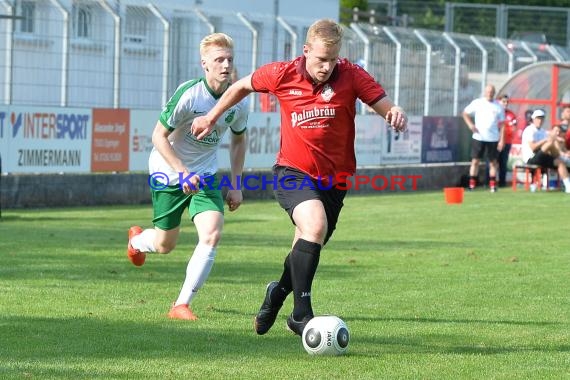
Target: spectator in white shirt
484, 116
541, 148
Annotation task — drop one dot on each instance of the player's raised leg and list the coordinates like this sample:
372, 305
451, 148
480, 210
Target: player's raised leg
136, 256
150, 240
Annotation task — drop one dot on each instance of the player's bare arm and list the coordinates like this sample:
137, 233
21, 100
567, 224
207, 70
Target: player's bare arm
469, 121
394, 115
203, 125
160, 141
238, 147
501, 143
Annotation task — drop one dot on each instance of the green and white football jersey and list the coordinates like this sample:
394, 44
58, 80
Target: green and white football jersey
192, 99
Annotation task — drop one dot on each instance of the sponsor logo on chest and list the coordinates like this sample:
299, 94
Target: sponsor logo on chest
327, 93
312, 118
317, 116
212, 139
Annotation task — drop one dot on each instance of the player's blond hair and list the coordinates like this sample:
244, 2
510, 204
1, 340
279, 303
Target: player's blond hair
325, 30
221, 40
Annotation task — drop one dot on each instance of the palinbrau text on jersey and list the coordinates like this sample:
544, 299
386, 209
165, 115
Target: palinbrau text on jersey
299, 118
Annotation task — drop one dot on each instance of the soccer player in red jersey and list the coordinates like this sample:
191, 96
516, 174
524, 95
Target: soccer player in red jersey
317, 93
510, 126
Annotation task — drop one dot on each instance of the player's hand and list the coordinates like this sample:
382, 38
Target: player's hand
234, 199
194, 186
500, 146
201, 127
397, 119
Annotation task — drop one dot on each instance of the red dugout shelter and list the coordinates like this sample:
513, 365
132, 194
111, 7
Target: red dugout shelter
544, 85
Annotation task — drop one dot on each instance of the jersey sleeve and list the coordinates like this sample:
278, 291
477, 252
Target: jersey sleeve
175, 109
367, 89
470, 108
240, 125
264, 78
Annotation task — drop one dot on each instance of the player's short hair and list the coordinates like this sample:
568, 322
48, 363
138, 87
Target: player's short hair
326, 30
221, 40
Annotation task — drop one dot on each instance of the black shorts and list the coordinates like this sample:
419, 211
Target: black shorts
293, 189
542, 159
478, 149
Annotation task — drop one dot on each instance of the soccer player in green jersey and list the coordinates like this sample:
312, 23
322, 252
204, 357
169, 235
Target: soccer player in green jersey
183, 171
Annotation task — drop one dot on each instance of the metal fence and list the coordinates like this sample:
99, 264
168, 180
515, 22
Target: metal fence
438, 73
89, 54
506, 20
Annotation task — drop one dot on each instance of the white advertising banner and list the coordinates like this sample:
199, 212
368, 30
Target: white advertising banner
403, 148
140, 144
369, 137
263, 136
45, 140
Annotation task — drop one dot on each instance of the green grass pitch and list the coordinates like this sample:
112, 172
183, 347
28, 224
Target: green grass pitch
479, 290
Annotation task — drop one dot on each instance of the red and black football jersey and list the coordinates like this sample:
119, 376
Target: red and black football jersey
317, 120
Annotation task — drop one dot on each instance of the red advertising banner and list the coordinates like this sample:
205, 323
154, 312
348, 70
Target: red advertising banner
110, 140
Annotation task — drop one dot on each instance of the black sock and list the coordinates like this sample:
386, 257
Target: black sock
303, 261
285, 285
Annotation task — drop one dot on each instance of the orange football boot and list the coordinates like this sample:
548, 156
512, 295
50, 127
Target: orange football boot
137, 257
182, 312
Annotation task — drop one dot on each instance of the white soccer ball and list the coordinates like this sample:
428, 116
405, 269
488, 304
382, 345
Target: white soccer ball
326, 335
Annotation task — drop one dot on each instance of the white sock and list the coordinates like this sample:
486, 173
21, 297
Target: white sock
566, 182
197, 272
144, 241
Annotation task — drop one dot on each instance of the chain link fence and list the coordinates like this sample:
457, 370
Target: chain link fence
89, 54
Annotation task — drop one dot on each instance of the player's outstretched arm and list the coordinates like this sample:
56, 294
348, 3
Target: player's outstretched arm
202, 126
394, 115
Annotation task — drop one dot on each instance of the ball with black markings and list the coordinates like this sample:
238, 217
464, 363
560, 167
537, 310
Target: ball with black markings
326, 335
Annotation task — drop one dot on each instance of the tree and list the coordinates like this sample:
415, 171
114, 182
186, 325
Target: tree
430, 14
346, 7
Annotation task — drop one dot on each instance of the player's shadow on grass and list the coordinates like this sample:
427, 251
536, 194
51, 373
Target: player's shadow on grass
38, 218
445, 320
387, 245
278, 242
76, 341
443, 344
